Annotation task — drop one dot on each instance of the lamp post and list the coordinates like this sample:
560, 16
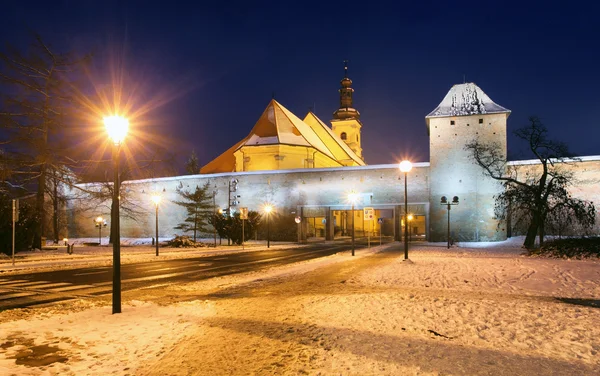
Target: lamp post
444, 201
116, 127
268, 208
352, 196
99, 222
405, 166
156, 199
410, 218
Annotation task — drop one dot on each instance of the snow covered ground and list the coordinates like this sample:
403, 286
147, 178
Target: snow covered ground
463, 311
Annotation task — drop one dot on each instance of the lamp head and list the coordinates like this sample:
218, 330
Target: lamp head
116, 127
444, 200
410, 217
156, 199
99, 219
455, 200
405, 166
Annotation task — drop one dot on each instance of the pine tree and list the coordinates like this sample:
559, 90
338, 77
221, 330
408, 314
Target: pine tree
198, 206
192, 166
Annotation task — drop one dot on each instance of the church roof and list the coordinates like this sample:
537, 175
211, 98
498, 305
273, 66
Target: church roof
277, 125
338, 147
466, 99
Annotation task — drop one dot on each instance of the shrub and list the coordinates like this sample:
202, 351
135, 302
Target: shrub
23, 229
571, 248
183, 242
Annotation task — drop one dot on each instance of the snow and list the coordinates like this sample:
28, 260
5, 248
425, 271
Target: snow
486, 310
466, 99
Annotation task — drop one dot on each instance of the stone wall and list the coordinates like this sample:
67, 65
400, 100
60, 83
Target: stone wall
313, 192
378, 186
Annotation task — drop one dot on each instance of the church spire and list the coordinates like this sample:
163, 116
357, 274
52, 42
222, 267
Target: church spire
346, 110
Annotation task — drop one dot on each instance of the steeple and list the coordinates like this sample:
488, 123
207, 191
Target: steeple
346, 111
346, 119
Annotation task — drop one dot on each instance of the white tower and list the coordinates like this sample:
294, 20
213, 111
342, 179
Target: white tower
466, 113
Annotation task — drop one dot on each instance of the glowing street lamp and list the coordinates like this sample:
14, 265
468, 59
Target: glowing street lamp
405, 166
268, 209
116, 127
100, 222
444, 201
156, 199
352, 197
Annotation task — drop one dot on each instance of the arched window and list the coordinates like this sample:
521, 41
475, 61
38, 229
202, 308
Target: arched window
343, 136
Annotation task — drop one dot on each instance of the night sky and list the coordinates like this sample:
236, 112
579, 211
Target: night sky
217, 64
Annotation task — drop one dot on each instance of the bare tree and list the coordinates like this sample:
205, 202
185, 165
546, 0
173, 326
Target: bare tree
532, 193
36, 108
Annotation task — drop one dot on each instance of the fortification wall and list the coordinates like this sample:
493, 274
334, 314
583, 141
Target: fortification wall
379, 186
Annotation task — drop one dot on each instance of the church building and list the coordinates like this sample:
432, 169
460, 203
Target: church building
280, 140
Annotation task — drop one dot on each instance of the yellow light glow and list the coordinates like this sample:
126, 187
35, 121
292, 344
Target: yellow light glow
268, 208
352, 197
116, 127
65, 240
99, 219
156, 199
220, 211
405, 166
410, 217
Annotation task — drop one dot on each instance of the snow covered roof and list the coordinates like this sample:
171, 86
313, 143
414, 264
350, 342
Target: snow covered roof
466, 99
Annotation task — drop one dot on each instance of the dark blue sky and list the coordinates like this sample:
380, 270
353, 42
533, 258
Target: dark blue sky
225, 60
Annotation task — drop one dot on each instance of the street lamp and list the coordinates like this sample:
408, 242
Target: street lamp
352, 197
116, 127
100, 222
444, 201
268, 209
405, 166
156, 199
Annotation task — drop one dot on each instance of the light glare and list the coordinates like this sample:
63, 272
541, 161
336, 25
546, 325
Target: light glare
156, 199
405, 166
116, 127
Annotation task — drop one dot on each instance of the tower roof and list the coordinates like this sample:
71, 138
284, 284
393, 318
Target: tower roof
466, 99
346, 110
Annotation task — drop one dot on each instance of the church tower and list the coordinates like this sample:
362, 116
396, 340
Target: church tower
465, 114
346, 124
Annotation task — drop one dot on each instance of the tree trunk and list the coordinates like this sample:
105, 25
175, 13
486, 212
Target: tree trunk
532, 231
195, 224
39, 207
55, 207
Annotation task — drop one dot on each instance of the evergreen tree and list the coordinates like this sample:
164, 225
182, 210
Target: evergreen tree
192, 166
198, 205
231, 227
